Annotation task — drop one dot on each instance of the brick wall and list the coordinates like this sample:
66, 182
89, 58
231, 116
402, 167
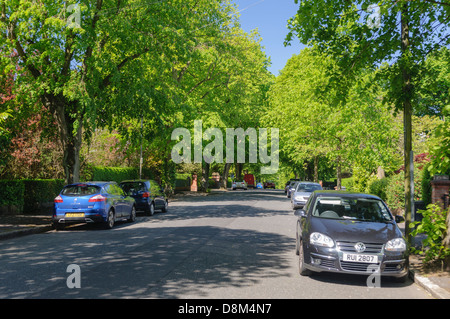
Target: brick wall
440, 186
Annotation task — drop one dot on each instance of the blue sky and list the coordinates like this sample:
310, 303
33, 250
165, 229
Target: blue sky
270, 18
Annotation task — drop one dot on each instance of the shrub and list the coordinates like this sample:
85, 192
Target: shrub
434, 225
11, 193
395, 190
378, 187
39, 192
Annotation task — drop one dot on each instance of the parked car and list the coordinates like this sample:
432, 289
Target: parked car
259, 185
300, 195
148, 194
291, 188
349, 233
242, 185
269, 184
288, 183
92, 202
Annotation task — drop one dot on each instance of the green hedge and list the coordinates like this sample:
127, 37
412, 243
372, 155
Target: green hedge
11, 192
39, 193
117, 174
29, 196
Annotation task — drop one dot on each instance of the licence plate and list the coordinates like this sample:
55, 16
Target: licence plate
74, 214
359, 258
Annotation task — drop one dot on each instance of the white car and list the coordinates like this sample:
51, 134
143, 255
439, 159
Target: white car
235, 185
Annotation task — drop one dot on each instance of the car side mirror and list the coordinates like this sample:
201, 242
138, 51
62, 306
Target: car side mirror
300, 213
399, 219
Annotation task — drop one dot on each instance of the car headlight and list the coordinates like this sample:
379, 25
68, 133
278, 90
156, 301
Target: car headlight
319, 239
396, 244
299, 198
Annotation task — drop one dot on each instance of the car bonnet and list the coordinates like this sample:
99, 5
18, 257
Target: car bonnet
352, 230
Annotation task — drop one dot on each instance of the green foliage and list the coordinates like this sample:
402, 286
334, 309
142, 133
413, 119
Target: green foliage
29, 195
12, 192
440, 153
433, 225
395, 190
117, 174
378, 187
38, 192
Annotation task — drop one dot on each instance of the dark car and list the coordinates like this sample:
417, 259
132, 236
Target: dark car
92, 202
291, 188
349, 233
148, 194
269, 184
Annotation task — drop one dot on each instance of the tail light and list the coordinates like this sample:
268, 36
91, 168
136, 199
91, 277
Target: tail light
145, 195
58, 199
97, 198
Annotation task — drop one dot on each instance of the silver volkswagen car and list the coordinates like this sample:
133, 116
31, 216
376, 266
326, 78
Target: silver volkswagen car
301, 194
349, 233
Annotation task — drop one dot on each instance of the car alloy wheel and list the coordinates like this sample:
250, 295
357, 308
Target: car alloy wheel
166, 207
110, 220
301, 261
152, 209
132, 215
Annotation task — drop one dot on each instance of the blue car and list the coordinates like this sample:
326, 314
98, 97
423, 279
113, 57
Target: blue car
92, 202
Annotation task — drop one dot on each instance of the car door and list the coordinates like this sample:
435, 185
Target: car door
116, 194
156, 191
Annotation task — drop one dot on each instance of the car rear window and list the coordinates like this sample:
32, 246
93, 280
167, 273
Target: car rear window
80, 190
133, 187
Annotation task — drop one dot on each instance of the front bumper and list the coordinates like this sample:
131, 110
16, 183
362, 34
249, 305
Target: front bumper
319, 259
296, 204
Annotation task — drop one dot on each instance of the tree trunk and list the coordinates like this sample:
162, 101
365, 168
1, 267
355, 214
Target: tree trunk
70, 133
238, 171
446, 241
338, 174
316, 169
226, 170
407, 115
205, 175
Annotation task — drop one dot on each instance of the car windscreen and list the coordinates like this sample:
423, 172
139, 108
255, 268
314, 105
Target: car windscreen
80, 190
308, 188
351, 208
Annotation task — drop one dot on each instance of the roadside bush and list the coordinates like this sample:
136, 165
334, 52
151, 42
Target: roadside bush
378, 187
29, 195
117, 174
395, 190
40, 193
433, 224
11, 193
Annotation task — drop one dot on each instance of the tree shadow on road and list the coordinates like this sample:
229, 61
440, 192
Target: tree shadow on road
163, 263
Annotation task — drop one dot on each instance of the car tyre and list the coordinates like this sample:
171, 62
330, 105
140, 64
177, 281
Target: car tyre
152, 209
303, 271
132, 218
166, 207
109, 224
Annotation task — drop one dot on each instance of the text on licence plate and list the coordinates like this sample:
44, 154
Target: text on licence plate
74, 214
372, 259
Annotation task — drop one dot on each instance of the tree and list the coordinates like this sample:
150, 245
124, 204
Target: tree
360, 39
86, 61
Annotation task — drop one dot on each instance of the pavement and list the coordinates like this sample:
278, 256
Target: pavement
437, 283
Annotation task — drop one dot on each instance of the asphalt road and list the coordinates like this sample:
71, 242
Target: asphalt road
228, 245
